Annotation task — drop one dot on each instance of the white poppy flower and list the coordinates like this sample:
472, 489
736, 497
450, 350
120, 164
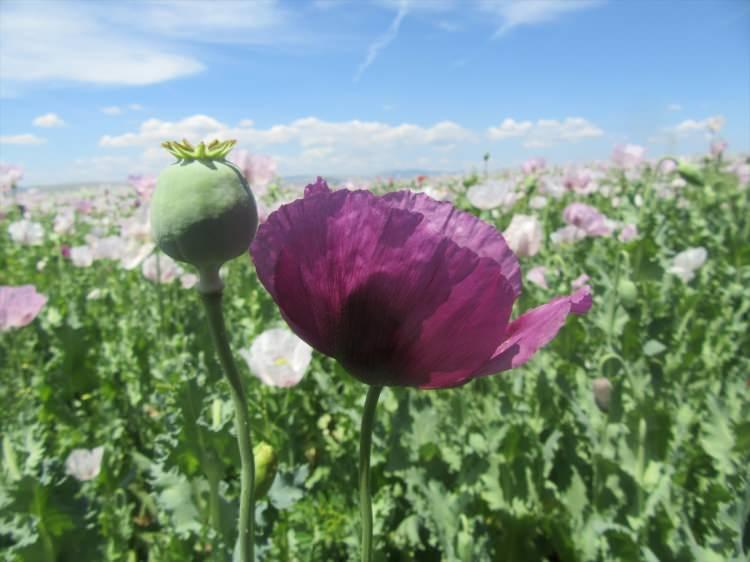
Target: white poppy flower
524, 235
685, 264
84, 464
81, 256
491, 194
278, 357
26, 232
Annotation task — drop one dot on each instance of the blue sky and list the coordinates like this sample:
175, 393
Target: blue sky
88, 90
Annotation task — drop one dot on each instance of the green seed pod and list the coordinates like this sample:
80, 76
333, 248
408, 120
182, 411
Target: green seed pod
628, 292
203, 211
690, 173
265, 468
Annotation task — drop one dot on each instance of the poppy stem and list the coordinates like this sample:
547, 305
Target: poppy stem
365, 496
215, 315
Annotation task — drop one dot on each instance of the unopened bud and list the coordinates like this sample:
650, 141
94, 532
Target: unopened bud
602, 389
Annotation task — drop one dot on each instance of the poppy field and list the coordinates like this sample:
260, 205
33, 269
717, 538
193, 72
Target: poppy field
622, 433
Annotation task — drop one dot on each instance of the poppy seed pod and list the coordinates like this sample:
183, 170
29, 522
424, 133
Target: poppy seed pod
203, 211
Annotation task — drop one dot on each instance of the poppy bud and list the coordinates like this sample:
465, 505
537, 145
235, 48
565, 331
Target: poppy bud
203, 211
602, 389
690, 173
628, 292
265, 468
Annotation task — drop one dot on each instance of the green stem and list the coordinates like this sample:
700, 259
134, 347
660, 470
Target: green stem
365, 444
212, 302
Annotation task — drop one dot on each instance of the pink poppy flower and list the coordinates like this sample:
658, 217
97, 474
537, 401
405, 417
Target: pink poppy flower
9, 176
536, 275
628, 156
588, 219
533, 165
580, 281
718, 147
258, 170
144, 186
19, 306
401, 289
628, 233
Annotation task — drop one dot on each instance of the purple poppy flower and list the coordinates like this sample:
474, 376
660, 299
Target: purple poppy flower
19, 306
401, 289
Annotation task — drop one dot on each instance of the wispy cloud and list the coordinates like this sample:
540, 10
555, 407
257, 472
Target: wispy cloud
514, 13
48, 120
26, 138
67, 42
674, 107
383, 41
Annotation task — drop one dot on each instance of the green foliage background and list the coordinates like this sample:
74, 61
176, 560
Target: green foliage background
521, 466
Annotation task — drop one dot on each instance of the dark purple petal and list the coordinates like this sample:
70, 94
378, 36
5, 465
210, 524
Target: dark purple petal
535, 329
378, 288
466, 230
320, 186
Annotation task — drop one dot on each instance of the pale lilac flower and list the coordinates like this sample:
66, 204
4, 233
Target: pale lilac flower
26, 232
667, 166
144, 185
678, 183
258, 170
538, 202
492, 194
686, 263
524, 235
628, 156
278, 357
84, 464
533, 165
108, 248
168, 269
41, 264
628, 233
64, 221
536, 275
580, 281
84, 206
742, 171
188, 280
567, 235
19, 306
81, 256
588, 218
579, 181
10, 175
718, 147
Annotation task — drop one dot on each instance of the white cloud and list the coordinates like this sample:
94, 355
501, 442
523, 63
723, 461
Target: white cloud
674, 107
513, 13
383, 41
111, 110
309, 143
688, 126
26, 138
48, 120
510, 128
135, 107
545, 132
